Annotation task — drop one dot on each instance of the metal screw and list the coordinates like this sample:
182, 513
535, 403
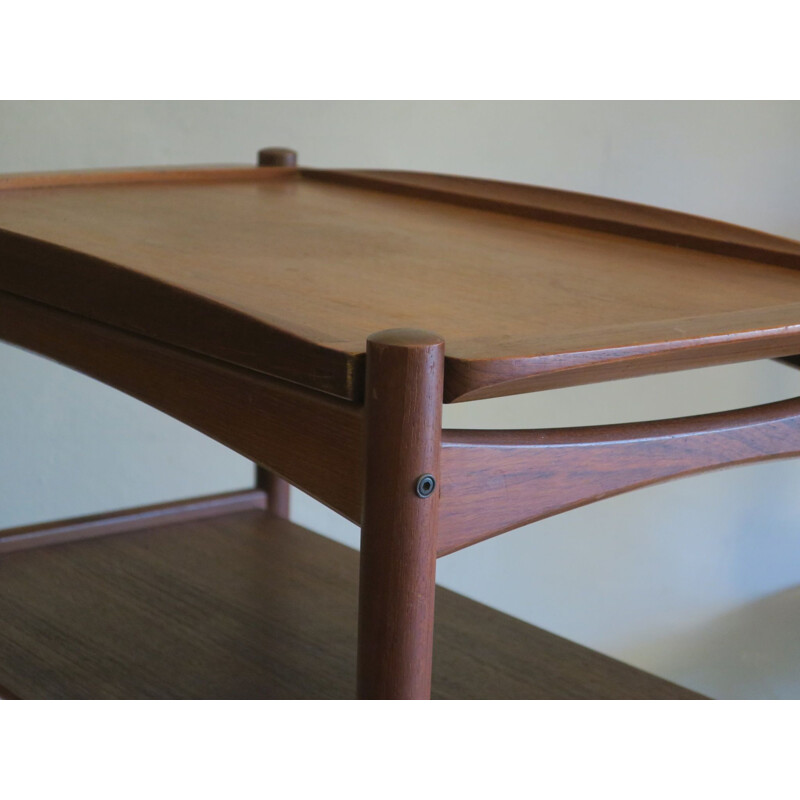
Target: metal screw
425, 485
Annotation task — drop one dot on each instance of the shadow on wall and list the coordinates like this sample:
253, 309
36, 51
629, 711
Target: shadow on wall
752, 652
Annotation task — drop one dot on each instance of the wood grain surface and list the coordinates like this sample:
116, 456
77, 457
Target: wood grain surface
276, 490
577, 210
250, 606
43, 534
124, 177
311, 439
493, 481
289, 275
402, 439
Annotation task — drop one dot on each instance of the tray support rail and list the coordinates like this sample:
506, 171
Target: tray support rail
493, 481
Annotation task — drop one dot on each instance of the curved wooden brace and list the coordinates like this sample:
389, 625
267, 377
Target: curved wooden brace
493, 481
310, 439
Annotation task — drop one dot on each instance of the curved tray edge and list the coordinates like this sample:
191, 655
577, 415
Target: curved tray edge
112, 294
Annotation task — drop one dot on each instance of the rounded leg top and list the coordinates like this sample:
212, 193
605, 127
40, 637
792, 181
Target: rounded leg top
277, 157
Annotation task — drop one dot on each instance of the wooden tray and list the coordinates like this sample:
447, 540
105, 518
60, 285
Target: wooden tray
287, 271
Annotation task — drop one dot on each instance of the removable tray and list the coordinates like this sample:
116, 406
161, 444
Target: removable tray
287, 271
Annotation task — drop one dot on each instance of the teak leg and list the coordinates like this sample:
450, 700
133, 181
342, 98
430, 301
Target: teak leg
277, 491
403, 412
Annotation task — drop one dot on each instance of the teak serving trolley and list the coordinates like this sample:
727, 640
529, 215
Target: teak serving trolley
315, 321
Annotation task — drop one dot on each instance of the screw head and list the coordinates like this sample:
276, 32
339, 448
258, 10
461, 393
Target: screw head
425, 485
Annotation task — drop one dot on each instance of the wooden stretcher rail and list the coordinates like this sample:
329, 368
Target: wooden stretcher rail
310, 439
133, 519
493, 481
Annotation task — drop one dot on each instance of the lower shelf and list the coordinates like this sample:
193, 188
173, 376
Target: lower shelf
250, 606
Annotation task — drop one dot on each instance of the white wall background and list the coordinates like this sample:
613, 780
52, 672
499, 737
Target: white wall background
697, 580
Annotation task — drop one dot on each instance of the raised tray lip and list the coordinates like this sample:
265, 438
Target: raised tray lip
562, 206
190, 173
576, 209
339, 366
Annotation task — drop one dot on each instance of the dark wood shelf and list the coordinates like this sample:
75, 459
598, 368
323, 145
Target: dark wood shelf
247, 605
